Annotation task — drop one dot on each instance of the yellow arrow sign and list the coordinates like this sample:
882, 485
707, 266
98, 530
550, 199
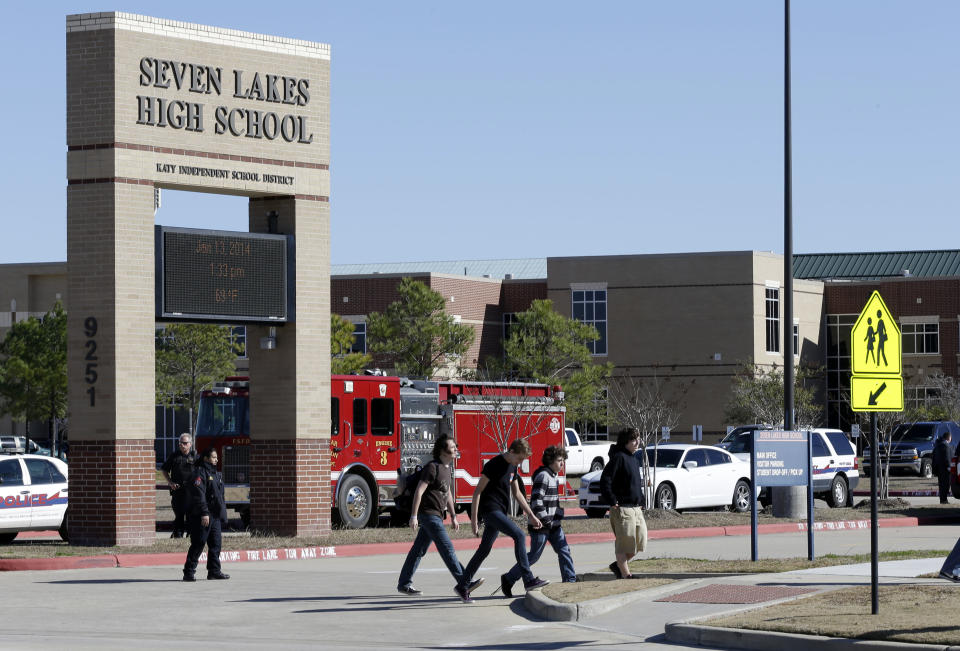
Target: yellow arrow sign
875, 340
876, 393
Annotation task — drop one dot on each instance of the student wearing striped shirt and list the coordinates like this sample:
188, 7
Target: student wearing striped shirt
545, 504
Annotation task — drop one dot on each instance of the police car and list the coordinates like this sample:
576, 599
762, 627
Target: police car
33, 495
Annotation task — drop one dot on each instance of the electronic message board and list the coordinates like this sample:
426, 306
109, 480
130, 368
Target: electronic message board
223, 276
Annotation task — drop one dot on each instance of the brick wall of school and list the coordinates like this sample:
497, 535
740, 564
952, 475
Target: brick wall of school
933, 299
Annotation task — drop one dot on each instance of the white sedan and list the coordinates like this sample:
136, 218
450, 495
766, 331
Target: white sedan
33, 495
687, 476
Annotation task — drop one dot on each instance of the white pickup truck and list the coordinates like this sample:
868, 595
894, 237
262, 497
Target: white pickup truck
585, 457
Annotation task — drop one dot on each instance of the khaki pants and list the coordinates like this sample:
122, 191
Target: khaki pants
630, 530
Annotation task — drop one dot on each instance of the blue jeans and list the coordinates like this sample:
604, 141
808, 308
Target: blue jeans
952, 564
431, 530
538, 542
497, 522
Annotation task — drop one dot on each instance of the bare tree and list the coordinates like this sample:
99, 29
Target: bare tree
647, 404
946, 401
887, 422
511, 413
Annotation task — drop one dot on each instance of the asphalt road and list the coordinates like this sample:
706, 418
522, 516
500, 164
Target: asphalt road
352, 603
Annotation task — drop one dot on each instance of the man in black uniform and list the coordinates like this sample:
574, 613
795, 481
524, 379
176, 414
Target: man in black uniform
941, 464
178, 471
208, 512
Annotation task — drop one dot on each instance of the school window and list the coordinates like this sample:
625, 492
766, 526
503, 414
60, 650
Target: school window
359, 338
238, 340
915, 396
773, 319
590, 307
838, 369
509, 320
921, 338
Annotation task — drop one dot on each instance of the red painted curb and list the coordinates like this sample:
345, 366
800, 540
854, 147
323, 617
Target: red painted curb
61, 563
373, 549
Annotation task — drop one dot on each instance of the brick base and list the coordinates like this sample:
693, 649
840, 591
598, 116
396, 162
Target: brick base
290, 486
112, 493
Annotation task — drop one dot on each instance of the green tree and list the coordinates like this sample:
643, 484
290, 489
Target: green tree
33, 369
757, 396
414, 334
344, 362
190, 358
547, 347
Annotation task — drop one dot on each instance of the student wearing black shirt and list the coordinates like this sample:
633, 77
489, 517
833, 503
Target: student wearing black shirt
491, 501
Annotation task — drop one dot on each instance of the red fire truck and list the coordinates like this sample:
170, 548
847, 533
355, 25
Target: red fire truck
384, 427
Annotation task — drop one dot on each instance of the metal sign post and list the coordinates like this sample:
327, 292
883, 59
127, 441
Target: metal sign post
876, 384
874, 543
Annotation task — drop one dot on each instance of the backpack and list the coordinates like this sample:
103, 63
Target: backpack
407, 487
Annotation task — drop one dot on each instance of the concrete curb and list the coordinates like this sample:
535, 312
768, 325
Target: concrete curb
689, 631
375, 549
737, 638
545, 607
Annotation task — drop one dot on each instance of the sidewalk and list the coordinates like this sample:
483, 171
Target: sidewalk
460, 544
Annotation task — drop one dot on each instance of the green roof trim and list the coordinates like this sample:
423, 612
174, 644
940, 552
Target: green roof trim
876, 266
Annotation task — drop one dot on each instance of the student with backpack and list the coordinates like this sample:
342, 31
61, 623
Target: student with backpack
432, 499
545, 503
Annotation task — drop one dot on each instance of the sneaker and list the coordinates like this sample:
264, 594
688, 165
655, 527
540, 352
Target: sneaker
463, 593
189, 577
950, 577
506, 585
218, 576
476, 583
408, 589
616, 570
535, 583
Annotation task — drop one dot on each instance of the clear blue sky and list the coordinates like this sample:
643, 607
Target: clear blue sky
530, 129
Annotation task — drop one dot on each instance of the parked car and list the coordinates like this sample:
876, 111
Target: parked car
911, 446
739, 442
688, 476
33, 495
17, 445
836, 470
584, 457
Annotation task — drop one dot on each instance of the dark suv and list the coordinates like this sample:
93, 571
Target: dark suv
911, 446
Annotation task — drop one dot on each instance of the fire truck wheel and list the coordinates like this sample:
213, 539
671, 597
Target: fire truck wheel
355, 504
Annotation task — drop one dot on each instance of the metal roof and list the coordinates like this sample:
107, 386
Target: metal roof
876, 266
518, 268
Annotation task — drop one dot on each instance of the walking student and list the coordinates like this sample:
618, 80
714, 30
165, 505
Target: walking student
208, 513
621, 485
491, 501
545, 504
432, 500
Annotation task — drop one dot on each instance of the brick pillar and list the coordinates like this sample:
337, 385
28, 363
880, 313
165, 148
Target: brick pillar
287, 486
112, 495
290, 385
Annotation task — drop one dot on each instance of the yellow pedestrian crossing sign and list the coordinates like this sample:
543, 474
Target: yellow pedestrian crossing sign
876, 383
875, 340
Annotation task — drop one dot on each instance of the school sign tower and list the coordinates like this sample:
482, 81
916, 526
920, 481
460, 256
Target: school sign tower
154, 104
